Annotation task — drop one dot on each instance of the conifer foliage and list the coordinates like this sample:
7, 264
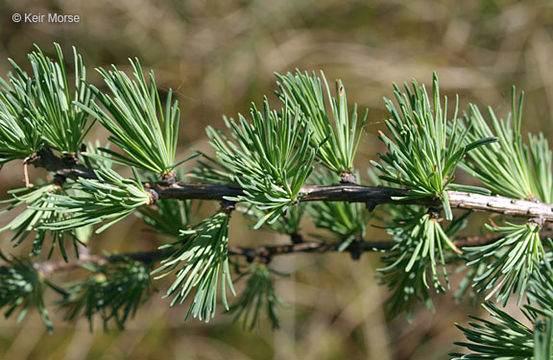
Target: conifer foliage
279, 166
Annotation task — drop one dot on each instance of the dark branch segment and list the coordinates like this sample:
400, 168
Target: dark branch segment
68, 167
262, 253
373, 195
64, 167
196, 191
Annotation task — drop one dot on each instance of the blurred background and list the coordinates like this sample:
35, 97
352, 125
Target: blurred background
219, 56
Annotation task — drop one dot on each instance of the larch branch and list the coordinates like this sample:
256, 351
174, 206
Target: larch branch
263, 253
68, 167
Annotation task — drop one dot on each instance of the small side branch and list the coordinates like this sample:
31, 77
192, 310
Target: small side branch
261, 253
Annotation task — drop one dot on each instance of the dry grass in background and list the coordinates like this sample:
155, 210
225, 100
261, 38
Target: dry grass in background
219, 56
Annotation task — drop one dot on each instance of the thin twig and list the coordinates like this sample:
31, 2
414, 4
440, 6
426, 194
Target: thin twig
263, 253
26, 175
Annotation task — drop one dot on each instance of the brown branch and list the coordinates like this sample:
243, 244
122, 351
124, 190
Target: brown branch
68, 167
263, 253
64, 167
269, 251
146, 257
26, 176
372, 195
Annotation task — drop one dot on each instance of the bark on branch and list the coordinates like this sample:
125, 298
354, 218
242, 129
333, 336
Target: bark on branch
68, 167
263, 253
373, 195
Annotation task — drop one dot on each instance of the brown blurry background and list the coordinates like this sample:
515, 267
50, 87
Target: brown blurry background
219, 56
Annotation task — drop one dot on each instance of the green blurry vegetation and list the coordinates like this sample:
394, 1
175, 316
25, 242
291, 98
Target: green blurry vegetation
218, 56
